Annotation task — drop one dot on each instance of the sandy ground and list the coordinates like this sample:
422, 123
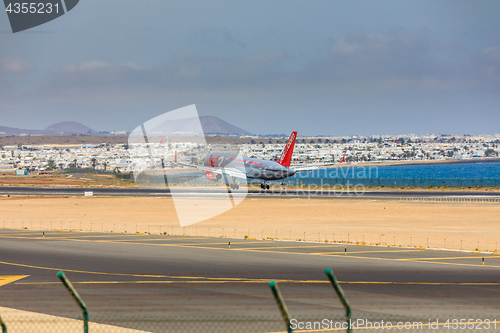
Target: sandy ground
435, 225
19, 321
64, 180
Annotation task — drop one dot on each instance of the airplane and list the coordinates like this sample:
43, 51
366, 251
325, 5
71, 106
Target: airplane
218, 165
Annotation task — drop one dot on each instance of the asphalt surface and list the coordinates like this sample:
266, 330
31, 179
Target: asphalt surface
276, 192
175, 276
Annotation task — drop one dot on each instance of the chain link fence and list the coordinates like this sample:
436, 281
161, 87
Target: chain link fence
261, 324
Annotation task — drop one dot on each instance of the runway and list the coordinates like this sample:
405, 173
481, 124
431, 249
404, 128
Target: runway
167, 276
273, 193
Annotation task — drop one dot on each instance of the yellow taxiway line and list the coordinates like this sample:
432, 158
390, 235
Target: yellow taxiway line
448, 258
223, 280
6, 279
351, 255
113, 274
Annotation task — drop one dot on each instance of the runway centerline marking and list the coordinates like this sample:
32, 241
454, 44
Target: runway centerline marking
280, 247
6, 279
355, 252
389, 251
188, 245
448, 258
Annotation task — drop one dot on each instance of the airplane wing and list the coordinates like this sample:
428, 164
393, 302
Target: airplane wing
310, 167
233, 172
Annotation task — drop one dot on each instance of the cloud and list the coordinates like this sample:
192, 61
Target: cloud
401, 62
361, 72
217, 38
344, 48
97, 65
490, 64
359, 64
270, 56
85, 66
397, 54
181, 72
394, 42
492, 52
134, 66
396, 62
15, 65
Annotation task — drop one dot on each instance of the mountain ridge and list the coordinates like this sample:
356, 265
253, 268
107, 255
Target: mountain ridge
70, 127
215, 125
211, 125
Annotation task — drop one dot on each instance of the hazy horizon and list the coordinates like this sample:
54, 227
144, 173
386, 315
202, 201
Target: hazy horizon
298, 134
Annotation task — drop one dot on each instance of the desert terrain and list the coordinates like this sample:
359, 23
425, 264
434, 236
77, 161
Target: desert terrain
466, 226
56, 179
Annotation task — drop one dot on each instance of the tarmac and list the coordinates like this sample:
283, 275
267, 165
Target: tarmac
192, 277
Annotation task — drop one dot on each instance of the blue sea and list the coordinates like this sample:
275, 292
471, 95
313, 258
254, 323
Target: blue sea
418, 175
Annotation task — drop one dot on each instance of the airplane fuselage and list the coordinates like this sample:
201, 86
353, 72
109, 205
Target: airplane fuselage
255, 168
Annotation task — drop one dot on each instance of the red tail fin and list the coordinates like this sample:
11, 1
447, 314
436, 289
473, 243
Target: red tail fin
343, 158
286, 155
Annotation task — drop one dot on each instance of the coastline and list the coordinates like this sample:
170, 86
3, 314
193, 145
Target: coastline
422, 162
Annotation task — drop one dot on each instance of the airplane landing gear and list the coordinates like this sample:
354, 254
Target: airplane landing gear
264, 186
233, 185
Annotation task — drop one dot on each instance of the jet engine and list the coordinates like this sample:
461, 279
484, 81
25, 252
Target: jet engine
213, 176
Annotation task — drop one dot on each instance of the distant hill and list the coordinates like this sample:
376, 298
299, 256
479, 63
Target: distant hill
65, 128
4, 130
70, 127
214, 125
191, 126
210, 125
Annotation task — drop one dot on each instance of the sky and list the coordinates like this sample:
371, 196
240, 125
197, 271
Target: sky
321, 67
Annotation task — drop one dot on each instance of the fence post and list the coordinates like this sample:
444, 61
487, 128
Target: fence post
341, 295
4, 327
281, 304
77, 298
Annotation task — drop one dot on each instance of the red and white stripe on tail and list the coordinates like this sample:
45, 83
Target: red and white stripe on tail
286, 155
